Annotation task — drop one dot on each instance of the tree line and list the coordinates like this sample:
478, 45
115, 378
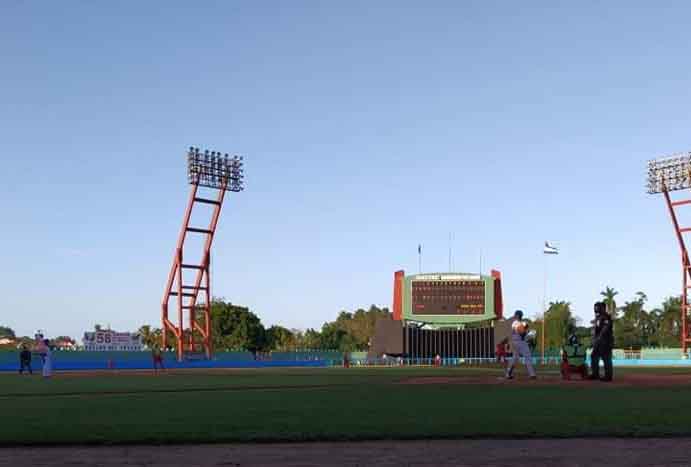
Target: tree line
236, 328
14, 341
636, 325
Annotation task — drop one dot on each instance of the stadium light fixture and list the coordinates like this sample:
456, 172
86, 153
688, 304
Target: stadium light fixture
669, 173
215, 170
222, 174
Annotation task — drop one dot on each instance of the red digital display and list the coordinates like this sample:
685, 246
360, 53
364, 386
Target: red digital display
452, 297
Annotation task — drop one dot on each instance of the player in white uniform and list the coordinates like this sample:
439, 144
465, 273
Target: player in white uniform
47, 361
519, 346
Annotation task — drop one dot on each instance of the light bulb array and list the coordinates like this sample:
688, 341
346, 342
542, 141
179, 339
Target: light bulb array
215, 170
669, 173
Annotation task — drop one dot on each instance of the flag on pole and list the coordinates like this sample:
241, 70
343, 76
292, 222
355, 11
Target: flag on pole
419, 249
550, 249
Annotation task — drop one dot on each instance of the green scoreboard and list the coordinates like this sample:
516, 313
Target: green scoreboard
447, 299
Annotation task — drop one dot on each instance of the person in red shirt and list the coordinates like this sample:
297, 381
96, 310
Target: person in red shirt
158, 359
502, 352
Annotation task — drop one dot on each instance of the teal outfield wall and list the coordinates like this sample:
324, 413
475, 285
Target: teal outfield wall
9, 360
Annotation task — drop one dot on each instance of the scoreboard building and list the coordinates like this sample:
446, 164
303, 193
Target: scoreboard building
447, 314
447, 299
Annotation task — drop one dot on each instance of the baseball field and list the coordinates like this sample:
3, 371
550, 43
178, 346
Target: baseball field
335, 404
185, 416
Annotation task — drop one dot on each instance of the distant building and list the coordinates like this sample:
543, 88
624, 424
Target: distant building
64, 344
109, 340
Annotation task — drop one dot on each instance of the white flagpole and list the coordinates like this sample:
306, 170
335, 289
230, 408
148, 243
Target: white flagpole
450, 252
419, 259
544, 303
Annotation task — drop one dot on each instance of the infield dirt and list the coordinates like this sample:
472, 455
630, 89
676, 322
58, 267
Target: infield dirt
528, 453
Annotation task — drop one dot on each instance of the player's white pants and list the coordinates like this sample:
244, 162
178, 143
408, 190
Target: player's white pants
47, 366
521, 349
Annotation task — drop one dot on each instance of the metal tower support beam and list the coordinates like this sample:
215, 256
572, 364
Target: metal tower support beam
186, 295
215, 172
685, 268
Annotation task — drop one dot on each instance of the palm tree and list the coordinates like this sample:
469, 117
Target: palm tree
147, 335
641, 297
609, 293
558, 322
670, 321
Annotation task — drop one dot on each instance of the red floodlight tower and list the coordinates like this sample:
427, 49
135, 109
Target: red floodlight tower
672, 174
219, 173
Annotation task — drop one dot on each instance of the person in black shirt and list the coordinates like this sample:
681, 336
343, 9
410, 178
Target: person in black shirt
25, 360
603, 341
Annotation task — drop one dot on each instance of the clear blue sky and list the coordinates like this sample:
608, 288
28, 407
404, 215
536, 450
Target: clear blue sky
367, 127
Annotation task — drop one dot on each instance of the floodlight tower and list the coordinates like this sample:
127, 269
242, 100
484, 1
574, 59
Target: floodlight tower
220, 173
671, 174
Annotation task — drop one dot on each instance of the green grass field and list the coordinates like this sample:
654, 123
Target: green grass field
327, 404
